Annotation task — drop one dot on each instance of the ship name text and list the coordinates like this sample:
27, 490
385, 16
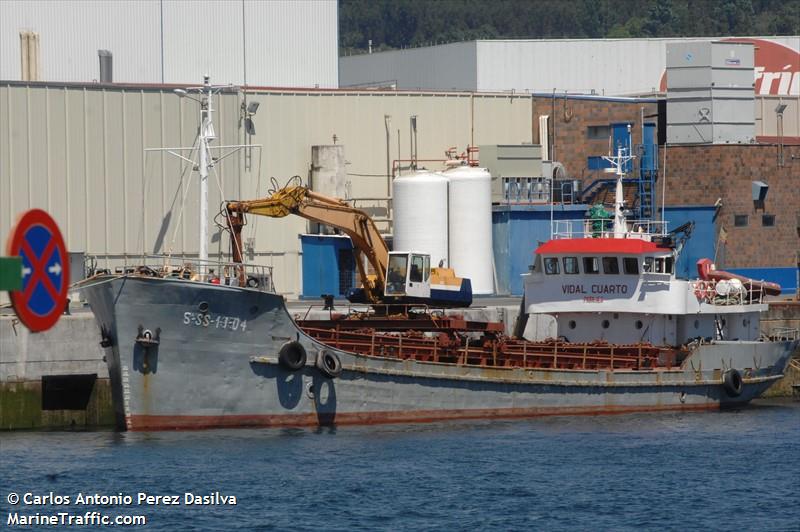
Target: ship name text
594, 289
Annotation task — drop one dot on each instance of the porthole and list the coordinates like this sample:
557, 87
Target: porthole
203, 306
745, 322
605, 324
616, 316
638, 324
572, 324
696, 324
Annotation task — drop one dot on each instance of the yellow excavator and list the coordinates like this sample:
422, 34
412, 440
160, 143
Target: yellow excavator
387, 277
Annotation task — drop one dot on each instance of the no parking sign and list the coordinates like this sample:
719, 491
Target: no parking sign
45, 270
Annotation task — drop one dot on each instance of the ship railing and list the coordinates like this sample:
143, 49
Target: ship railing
727, 293
212, 271
785, 334
648, 230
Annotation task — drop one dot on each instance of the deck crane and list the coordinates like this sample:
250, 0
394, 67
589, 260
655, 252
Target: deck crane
387, 277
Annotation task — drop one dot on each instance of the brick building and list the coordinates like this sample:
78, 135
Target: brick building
757, 238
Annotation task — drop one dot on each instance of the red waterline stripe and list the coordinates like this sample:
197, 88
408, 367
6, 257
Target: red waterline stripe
166, 422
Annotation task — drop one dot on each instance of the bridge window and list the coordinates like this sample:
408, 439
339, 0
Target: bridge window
571, 265
610, 265
668, 263
647, 267
631, 265
551, 266
659, 264
591, 265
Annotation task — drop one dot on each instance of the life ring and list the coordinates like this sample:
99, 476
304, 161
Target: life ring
732, 382
252, 282
292, 356
328, 363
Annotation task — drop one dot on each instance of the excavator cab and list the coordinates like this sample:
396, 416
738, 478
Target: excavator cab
408, 275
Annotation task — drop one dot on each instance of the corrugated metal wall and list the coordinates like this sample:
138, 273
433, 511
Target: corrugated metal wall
606, 66
79, 152
290, 43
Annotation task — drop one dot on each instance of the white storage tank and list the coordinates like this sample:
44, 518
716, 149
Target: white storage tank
470, 235
420, 214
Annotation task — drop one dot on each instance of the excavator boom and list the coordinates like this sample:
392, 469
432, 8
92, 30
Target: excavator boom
300, 201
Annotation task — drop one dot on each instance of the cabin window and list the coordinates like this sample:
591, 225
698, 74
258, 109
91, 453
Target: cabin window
659, 265
610, 265
591, 265
551, 266
631, 265
647, 267
571, 265
668, 263
417, 267
427, 268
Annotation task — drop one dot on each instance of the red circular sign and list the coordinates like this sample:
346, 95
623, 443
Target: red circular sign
45, 270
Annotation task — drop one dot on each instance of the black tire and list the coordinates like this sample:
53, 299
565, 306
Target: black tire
292, 356
732, 382
328, 363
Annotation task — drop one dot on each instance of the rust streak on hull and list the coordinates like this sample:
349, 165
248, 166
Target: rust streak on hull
198, 422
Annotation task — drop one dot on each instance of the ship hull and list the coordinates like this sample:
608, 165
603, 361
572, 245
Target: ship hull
213, 362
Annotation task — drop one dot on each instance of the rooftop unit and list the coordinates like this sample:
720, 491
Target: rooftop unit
710, 93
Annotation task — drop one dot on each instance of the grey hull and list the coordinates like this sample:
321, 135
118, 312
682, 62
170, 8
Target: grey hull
201, 374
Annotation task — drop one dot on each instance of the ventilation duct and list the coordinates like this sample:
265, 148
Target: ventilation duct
106, 66
29, 55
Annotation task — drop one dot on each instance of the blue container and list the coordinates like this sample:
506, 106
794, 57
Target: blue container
328, 265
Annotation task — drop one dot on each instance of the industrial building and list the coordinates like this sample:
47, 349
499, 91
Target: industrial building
609, 67
280, 43
89, 152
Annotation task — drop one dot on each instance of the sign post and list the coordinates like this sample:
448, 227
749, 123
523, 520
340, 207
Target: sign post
38, 249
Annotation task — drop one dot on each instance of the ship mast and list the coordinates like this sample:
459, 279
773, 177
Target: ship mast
619, 163
207, 135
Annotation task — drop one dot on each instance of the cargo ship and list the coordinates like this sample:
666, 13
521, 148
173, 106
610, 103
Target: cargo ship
616, 332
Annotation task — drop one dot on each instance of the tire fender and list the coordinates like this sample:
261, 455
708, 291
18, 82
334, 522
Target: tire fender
328, 363
732, 382
292, 356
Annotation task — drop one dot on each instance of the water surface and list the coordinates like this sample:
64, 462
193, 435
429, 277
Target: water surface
726, 470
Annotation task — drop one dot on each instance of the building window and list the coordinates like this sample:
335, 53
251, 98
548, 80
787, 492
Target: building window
551, 265
571, 265
631, 265
768, 220
610, 265
740, 220
598, 132
591, 265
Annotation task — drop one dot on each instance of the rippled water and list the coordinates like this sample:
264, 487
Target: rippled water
720, 470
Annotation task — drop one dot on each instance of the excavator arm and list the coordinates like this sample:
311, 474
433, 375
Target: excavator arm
300, 201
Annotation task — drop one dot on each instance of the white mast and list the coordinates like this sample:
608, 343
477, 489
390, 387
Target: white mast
619, 162
206, 136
